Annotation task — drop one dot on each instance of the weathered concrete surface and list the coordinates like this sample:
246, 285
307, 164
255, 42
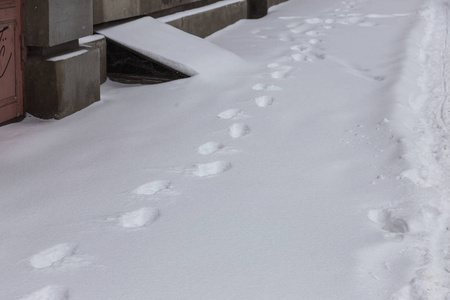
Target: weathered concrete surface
274, 2
98, 41
111, 10
207, 22
52, 22
256, 9
59, 86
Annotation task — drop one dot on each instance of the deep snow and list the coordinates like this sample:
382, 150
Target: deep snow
317, 169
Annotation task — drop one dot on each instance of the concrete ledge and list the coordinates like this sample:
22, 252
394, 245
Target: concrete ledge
97, 41
59, 86
113, 10
274, 2
209, 19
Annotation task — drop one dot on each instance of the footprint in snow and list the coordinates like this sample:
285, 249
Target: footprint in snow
312, 33
210, 148
302, 48
282, 73
293, 24
210, 169
301, 57
265, 87
264, 101
297, 30
238, 130
61, 255
307, 57
314, 41
391, 221
285, 37
138, 218
229, 114
153, 187
273, 65
51, 292
313, 21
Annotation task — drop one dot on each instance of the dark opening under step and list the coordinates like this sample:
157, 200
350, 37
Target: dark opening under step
127, 66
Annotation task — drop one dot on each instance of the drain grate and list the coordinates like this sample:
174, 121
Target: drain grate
127, 66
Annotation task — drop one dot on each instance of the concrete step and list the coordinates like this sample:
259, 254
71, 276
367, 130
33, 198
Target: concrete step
171, 47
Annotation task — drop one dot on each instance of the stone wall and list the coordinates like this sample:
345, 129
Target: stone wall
274, 2
62, 76
207, 22
112, 10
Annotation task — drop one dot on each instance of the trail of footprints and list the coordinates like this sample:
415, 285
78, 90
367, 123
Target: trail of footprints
306, 34
66, 255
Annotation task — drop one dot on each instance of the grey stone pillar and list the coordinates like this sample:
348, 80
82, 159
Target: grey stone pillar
60, 76
256, 9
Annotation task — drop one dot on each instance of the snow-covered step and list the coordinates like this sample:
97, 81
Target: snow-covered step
171, 47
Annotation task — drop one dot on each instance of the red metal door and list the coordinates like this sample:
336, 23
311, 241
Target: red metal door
11, 78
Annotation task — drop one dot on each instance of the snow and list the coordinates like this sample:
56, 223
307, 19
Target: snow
139, 218
153, 187
90, 39
68, 55
317, 168
210, 148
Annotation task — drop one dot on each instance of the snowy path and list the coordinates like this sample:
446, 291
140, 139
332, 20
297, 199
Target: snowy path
318, 170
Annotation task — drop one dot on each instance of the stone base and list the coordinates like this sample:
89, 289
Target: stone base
256, 9
98, 41
203, 22
59, 86
274, 2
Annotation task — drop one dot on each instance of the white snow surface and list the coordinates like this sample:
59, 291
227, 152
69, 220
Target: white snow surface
68, 55
318, 168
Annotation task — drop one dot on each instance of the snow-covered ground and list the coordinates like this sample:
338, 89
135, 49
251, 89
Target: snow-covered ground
317, 169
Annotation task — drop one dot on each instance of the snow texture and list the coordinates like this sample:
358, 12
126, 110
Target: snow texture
153, 187
339, 189
50, 292
138, 218
51, 256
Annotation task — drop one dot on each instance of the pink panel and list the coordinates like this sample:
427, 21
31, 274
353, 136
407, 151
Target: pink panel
11, 81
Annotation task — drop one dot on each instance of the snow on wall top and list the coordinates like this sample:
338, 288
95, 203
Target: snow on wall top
171, 47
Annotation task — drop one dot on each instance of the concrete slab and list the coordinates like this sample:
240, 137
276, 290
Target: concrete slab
171, 47
206, 20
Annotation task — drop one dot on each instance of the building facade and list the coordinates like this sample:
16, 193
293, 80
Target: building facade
51, 64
